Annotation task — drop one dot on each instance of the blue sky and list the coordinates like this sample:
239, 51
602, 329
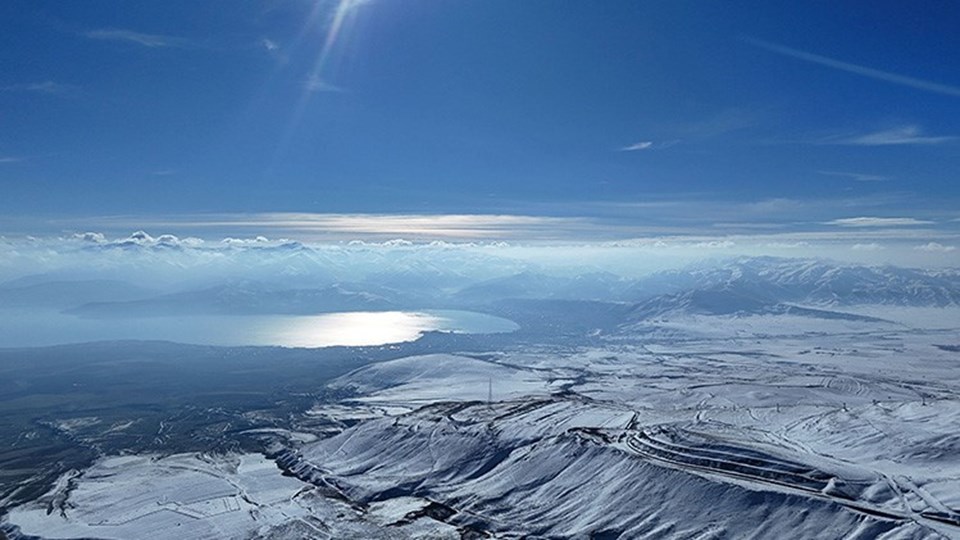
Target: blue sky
599, 119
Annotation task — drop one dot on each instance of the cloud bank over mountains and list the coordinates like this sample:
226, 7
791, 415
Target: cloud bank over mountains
168, 257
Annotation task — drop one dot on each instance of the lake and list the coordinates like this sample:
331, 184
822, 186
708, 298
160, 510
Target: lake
23, 328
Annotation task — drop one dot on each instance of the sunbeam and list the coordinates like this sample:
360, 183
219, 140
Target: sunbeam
318, 77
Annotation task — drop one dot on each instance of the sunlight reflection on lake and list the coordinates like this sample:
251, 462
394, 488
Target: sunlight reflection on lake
351, 329
358, 328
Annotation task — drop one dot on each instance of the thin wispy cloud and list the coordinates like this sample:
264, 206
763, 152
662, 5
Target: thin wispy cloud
139, 38
886, 76
316, 227
872, 246
49, 88
935, 247
878, 222
723, 122
648, 145
859, 177
273, 49
10, 159
269, 45
315, 84
715, 244
905, 135
710, 210
787, 245
310, 225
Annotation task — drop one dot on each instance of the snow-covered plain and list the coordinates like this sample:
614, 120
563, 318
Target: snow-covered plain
198, 496
693, 426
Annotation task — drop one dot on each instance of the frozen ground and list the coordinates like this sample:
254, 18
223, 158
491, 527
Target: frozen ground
196, 496
689, 427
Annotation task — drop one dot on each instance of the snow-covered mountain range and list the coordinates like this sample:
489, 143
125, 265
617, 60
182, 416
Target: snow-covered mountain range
738, 286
